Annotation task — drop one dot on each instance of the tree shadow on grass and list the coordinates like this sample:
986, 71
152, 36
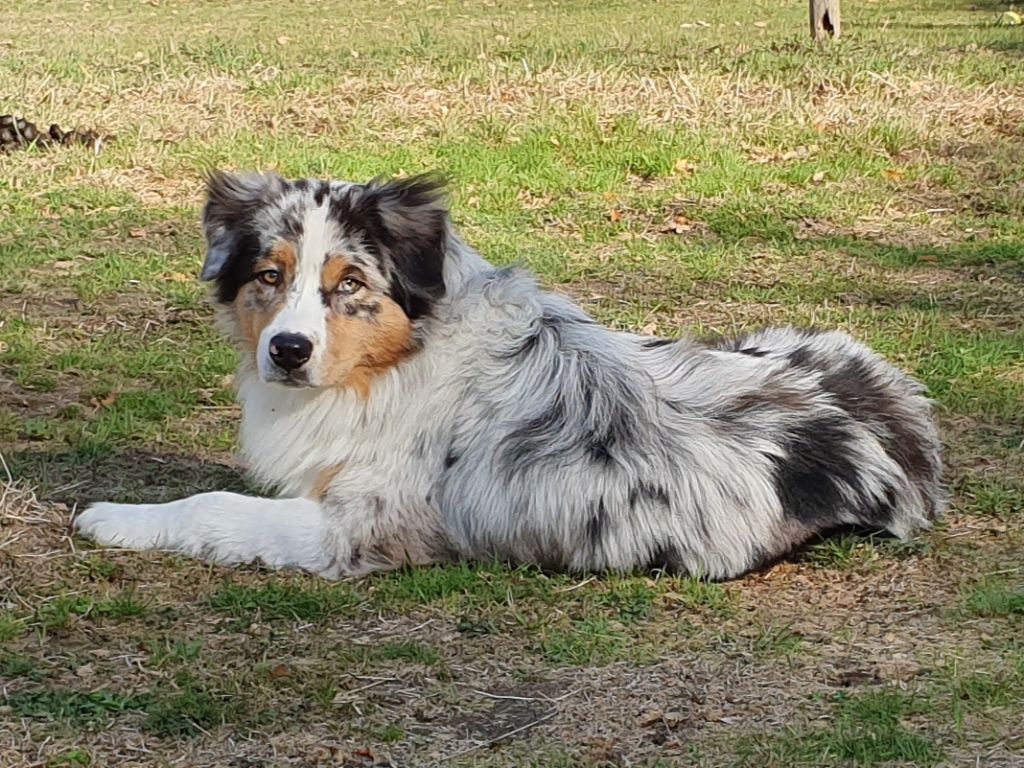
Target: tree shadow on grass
988, 276
81, 477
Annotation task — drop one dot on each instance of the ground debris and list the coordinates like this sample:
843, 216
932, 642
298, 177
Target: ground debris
18, 133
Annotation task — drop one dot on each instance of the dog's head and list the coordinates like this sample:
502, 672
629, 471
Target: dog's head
326, 282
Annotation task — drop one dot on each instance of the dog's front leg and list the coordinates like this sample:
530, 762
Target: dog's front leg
220, 527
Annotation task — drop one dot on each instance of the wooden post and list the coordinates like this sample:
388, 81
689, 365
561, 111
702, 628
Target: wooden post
824, 18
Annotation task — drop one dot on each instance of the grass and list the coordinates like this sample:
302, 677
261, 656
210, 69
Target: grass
587, 642
283, 602
864, 730
74, 707
995, 597
676, 168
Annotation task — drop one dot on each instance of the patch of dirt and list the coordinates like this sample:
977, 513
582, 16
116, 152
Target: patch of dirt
31, 403
514, 711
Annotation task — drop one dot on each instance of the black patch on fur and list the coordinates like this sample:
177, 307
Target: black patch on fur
599, 447
866, 400
291, 225
809, 480
802, 357
648, 492
752, 351
610, 433
536, 435
597, 523
239, 269
869, 401
666, 558
655, 343
228, 221
741, 346
322, 190
593, 410
406, 224
356, 557
881, 511
450, 458
773, 396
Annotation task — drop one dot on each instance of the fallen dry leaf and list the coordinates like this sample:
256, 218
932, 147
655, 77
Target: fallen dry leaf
104, 402
678, 225
685, 167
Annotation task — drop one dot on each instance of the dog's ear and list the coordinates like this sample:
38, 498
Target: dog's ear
232, 201
408, 221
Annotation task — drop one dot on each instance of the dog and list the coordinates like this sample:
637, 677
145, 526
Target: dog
413, 404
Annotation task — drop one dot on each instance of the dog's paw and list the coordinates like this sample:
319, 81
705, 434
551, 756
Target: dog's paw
133, 526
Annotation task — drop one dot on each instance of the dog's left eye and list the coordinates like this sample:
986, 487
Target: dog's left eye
349, 286
269, 277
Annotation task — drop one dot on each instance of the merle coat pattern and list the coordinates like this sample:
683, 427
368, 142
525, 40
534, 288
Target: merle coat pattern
412, 403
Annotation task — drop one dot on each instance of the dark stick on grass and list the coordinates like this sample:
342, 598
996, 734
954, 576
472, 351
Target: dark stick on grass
18, 133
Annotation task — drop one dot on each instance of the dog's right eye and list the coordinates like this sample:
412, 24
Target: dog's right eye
269, 277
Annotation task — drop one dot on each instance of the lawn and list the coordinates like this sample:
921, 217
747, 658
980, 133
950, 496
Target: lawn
677, 167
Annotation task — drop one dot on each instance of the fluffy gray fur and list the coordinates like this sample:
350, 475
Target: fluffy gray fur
522, 430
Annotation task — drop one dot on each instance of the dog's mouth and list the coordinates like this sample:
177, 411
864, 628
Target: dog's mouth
291, 379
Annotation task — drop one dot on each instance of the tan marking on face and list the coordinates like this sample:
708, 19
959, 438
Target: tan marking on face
323, 481
283, 256
256, 303
363, 345
336, 269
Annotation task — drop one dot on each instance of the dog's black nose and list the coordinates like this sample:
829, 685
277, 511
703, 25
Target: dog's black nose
290, 350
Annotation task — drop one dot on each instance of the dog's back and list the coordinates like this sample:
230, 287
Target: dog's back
581, 448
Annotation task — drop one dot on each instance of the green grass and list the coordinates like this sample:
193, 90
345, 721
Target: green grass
74, 707
281, 601
74, 757
187, 711
587, 642
10, 626
677, 167
777, 640
65, 609
994, 597
182, 710
14, 665
415, 653
864, 730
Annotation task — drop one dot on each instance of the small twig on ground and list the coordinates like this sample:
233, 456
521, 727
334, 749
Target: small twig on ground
497, 739
546, 699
